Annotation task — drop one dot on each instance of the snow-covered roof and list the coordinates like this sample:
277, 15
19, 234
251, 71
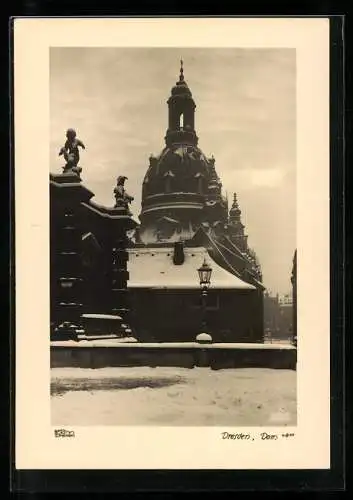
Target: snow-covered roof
154, 268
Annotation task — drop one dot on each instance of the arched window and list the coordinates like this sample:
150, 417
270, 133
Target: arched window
199, 178
168, 176
168, 186
181, 121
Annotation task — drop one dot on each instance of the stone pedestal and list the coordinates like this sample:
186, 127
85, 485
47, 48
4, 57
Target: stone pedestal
120, 222
66, 195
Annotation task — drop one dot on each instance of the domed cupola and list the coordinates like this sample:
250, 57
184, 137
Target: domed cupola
181, 87
181, 187
235, 212
181, 124
236, 227
176, 183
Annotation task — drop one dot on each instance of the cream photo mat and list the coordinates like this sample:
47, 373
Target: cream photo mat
164, 447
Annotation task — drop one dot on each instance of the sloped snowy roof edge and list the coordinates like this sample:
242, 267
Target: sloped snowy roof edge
153, 268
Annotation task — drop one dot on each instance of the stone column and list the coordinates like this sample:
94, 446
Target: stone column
120, 223
66, 195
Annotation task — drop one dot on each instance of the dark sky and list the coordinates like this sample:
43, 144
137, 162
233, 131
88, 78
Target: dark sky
245, 116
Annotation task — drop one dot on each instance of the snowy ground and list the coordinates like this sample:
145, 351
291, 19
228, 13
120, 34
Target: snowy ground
173, 396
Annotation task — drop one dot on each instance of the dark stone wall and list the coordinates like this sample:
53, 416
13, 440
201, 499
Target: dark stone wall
186, 357
66, 279
101, 271
176, 315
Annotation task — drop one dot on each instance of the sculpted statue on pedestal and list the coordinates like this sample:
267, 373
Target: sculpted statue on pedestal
122, 198
71, 152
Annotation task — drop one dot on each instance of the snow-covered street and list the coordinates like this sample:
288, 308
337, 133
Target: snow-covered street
173, 396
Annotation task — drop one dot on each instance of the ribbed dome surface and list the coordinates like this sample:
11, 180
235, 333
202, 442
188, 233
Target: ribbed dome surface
183, 164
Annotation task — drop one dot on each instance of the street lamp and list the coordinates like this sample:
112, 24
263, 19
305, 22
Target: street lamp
205, 272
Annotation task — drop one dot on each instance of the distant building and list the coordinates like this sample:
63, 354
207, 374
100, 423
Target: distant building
278, 316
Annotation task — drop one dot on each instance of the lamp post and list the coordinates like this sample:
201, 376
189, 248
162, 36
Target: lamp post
205, 272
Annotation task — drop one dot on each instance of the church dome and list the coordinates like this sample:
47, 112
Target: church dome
181, 186
179, 168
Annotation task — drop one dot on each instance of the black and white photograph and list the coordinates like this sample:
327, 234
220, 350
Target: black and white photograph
173, 192
179, 209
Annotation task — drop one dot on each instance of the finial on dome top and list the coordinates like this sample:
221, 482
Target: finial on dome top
235, 201
181, 76
235, 206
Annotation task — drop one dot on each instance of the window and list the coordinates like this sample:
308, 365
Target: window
181, 121
168, 184
200, 185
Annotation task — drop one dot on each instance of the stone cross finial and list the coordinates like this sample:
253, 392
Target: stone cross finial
181, 77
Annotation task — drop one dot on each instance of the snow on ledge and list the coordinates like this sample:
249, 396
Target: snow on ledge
101, 316
169, 345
